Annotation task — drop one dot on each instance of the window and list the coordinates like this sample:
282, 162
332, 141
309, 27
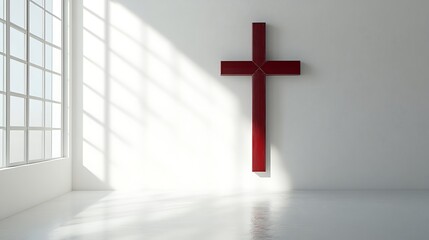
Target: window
31, 81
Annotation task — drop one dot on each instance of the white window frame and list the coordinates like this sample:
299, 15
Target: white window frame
64, 76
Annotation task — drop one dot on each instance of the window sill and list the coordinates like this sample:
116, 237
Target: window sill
33, 163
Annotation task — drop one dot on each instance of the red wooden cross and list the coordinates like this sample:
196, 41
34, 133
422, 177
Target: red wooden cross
259, 68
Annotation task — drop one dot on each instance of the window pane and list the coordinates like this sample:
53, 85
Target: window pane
36, 20
36, 52
2, 73
56, 143
48, 85
53, 6
56, 60
56, 115
53, 29
49, 27
52, 59
17, 12
17, 146
56, 87
48, 144
56, 32
2, 35
2, 15
35, 113
48, 114
17, 76
48, 57
2, 110
40, 2
36, 82
2, 148
17, 111
35, 145
17, 43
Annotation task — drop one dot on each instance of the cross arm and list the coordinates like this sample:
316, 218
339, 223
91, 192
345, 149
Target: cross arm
282, 67
237, 68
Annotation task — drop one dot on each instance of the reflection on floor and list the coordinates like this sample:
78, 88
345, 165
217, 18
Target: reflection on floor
299, 215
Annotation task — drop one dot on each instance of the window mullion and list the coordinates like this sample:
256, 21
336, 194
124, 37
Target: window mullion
43, 84
63, 85
7, 150
27, 100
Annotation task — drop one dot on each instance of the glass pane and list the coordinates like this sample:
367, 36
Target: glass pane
56, 143
17, 146
36, 52
53, 6
48, 85
56, 115
35, 113
2, 110
48, 57
56, 60
40, 2
17, 43
17, 12
2, 73
36, 82
49, 27
53, 29
56, 32
48, 144
17, 76
52, 59
56, 87
36, 20
2, 35
2, 15
48, 114
35, 144
2, 148
17, 111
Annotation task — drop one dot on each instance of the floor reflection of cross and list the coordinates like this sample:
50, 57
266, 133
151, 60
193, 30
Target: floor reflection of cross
258, 68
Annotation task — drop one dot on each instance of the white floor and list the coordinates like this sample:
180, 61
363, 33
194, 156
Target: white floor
299, 215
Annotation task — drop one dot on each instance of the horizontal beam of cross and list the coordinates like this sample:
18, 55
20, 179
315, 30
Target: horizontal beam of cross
248, 68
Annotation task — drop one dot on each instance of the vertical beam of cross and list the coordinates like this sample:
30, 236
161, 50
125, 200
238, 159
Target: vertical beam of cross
258, 68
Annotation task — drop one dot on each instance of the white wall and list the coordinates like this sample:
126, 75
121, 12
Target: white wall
28, 185
151, 110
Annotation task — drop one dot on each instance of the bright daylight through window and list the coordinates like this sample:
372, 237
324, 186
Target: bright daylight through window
31, 82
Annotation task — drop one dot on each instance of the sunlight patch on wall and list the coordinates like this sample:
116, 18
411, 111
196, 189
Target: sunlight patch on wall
93, 89
153, 119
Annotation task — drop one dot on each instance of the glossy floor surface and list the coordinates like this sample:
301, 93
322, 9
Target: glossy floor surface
299, 215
